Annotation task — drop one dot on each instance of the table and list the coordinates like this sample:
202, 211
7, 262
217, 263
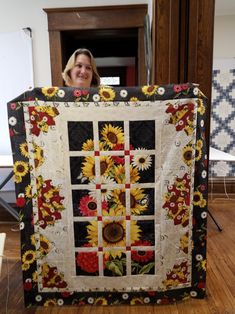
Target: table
218, 155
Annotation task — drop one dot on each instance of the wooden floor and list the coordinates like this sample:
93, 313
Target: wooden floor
220, 275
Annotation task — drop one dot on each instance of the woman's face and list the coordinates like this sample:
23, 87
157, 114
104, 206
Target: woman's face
81, 73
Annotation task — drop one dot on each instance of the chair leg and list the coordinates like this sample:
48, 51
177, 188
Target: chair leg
218, 226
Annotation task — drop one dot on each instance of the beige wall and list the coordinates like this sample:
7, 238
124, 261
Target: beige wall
17, 14
224, 37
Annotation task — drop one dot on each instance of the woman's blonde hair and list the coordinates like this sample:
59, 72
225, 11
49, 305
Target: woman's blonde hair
71, 63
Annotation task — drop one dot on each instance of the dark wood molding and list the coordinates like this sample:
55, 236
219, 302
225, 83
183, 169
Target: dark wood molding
56, 58
96, 17
141, 56
200, 52
166, 41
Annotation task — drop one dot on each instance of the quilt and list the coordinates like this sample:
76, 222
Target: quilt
111, 183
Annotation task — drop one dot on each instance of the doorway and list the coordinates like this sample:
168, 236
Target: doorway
114, 34
115, 51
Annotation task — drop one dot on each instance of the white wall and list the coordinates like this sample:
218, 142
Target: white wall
17, 14
224, 38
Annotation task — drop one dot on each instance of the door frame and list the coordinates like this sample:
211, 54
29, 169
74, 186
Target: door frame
102, 17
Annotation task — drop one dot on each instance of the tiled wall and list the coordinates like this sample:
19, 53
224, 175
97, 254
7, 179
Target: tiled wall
223, 115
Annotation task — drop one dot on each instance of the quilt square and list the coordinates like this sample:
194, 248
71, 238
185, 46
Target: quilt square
113, 194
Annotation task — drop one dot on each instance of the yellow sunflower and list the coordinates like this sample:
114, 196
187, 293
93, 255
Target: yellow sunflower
113, 211
39, 182
134, 99
184, 242
88, 168
135, 199
49, 91
119, 199
202, 203
189, 127
44, 244
51, 111
198, 153
137, 301
38, 156
50, 302
24, 149
28, 191
201, 108
203, 264
149, 90
29, 257
33, 240
112, 135
45, 270
134, 174
118, 173
35, 276
101, 301
136, 195
88, 145
187, 155
199, 143
25, 266
20, 168
106, 93
114, 235
197, 198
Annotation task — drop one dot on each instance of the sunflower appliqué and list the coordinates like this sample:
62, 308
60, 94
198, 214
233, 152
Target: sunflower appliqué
177, 200
178, 275
41, 117
181, 116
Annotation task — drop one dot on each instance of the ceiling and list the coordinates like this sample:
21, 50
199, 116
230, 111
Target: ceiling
224, 7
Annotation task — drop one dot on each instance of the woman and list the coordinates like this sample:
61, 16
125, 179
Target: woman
81, 70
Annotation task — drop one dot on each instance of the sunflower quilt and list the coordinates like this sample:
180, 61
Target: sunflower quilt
111, 183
